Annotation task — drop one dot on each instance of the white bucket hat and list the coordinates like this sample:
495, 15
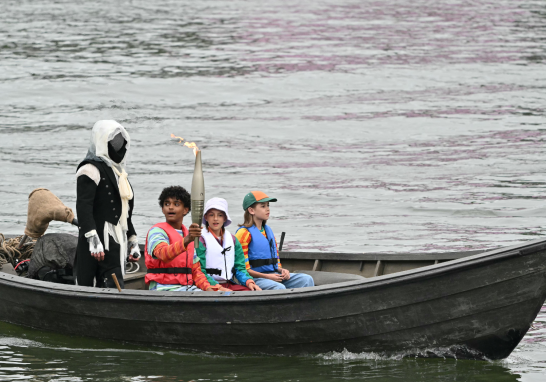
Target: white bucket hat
217, 204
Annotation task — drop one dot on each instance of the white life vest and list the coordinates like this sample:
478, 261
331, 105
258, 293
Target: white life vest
218, 258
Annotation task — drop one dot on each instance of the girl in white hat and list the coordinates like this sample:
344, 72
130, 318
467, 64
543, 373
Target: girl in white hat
220, 253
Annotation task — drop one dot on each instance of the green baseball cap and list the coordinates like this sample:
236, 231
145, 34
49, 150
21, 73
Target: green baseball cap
256, 197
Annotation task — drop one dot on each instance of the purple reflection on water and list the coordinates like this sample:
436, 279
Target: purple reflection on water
337, 37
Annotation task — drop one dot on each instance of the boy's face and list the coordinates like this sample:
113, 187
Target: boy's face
216, 219
260, 211
174, 211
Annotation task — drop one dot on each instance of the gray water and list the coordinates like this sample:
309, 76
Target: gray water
380, 126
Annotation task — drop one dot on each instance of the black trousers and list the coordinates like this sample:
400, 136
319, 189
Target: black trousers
89, 269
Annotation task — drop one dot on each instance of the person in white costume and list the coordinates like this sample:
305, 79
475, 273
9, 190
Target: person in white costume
104, 208
220, 253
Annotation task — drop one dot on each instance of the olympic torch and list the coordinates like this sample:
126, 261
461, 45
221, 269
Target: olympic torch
197, 194
197, 186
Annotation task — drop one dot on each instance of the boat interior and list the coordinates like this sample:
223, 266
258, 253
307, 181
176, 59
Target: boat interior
325, 268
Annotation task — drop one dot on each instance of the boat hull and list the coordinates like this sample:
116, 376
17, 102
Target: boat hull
476, 307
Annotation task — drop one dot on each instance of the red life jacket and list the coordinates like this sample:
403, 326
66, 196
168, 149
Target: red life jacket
184, 261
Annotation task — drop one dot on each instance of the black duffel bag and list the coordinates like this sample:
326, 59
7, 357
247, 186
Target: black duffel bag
53, 258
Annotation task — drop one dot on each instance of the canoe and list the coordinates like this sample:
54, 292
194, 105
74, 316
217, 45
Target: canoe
465, 305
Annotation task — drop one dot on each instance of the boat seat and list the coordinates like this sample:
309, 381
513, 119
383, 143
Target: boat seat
323, 278
135, 281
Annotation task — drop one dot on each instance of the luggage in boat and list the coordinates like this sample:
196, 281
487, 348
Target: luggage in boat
53, 258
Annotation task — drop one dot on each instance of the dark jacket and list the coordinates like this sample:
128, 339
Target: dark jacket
96, 205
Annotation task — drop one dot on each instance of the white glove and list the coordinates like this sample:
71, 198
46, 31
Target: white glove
134, 250
95, 246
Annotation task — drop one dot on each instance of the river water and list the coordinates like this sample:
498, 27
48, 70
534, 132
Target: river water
399, 126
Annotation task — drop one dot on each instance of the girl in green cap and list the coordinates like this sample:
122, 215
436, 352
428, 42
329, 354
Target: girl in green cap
260, 247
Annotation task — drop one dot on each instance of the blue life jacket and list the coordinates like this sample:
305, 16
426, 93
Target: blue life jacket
262, 251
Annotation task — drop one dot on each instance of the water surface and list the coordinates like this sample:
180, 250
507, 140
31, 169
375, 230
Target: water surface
400, 126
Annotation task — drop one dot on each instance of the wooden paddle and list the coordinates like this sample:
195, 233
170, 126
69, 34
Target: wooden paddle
116, 281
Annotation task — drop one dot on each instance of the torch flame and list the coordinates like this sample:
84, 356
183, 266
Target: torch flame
191, 145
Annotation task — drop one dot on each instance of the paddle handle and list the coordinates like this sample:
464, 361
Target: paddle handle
282, 241
116, 281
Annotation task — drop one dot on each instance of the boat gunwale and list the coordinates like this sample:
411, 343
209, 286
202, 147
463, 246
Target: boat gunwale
411, 275
342, 256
